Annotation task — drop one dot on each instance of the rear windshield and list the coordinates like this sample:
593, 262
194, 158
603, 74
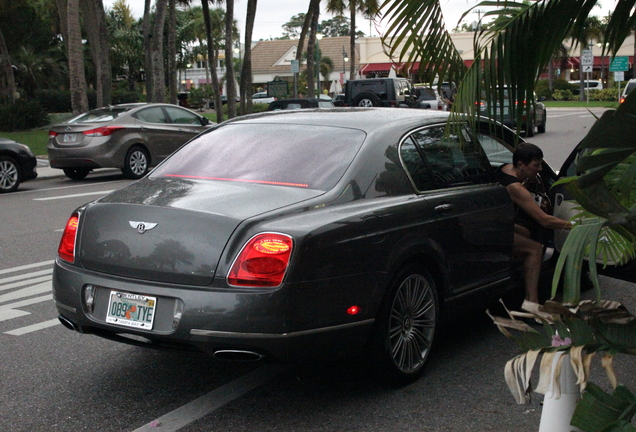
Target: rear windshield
99, 115
313, 157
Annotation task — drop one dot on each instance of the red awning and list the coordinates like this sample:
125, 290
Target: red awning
386, 67
377, 67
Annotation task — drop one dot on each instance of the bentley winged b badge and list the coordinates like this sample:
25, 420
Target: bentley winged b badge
142, 227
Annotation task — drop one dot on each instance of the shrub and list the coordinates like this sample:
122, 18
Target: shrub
22, 115
543, 87
562, 95
124, 96
55, 100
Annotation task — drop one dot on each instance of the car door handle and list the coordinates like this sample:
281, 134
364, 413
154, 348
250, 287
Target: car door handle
444, 208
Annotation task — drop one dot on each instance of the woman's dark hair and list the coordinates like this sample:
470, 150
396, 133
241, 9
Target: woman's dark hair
526, 153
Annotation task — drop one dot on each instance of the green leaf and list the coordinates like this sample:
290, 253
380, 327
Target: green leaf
598, 410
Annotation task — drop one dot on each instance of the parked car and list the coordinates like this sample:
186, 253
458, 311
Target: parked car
132, 137
339, 100
587, 86
301, 236
631, 85
290, 104
17, 165
380, 92
429, 98
223, 101
538, 117
262, 97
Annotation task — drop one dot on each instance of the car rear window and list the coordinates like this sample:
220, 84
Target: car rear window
313, 157
99, 115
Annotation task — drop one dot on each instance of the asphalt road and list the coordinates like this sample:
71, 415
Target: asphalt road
54, 379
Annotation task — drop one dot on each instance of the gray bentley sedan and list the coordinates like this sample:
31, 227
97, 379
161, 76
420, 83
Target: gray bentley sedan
302, 235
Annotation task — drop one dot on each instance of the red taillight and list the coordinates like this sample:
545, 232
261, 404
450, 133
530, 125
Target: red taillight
622, 99
66, 250
262, 262
52, 134
102, 131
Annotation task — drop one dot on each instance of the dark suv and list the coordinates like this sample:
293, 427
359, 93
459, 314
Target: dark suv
384, 92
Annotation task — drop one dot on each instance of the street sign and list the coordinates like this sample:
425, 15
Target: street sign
619, 64
294, 66
587, 58
587, 68
619, 76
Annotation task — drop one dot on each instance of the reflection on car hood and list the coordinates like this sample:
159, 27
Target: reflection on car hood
173, 231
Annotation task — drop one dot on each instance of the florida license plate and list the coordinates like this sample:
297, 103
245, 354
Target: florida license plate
70, 137
131, 310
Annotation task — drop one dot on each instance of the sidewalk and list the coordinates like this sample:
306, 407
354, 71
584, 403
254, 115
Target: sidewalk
45, 171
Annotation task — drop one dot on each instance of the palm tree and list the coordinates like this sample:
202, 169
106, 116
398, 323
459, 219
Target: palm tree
314, 5
126, 42
229, 55
245, 85
79, 97
97, 32
326, 67
7, 80
369, 8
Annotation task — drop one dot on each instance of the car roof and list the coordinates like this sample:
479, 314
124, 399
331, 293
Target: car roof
365, 119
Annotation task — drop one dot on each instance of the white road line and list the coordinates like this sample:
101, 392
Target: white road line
74, 195
25, 282
12, 313
25, 292
27, 302
35, 327
206, 404
26, 276
26, 267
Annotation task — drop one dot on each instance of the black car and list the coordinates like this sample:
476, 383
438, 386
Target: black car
299, 103
17, 165
300, 236
380, 92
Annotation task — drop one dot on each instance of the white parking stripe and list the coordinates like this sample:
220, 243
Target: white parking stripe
12, 313
26, 267
206, 404
73, 196
27, 302
35, 327
25, 283
25, 292
25, 276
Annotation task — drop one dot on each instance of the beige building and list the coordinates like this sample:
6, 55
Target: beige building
271, 60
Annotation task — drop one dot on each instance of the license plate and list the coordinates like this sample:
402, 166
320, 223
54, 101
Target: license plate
131, 310
70, 137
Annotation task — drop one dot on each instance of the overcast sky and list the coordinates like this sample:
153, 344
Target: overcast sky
272, 14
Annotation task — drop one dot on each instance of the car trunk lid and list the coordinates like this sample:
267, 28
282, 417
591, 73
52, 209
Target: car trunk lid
177, 232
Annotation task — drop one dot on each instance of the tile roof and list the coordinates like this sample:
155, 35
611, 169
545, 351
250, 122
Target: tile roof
266, 54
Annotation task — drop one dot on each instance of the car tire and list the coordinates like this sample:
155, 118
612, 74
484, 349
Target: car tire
406, 325
76, 173
10, 176
137, 163
541, 127
366, 99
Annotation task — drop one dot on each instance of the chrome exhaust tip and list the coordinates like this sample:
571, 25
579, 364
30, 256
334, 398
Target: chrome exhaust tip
67, 323
237, 355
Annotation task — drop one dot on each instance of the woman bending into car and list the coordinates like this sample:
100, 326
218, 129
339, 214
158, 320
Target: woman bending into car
526, 164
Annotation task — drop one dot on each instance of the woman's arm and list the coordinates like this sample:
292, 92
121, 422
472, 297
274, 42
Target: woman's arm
524, 200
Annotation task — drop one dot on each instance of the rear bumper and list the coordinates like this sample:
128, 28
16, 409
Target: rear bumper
212, 320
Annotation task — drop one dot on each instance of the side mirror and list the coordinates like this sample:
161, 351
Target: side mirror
205, 121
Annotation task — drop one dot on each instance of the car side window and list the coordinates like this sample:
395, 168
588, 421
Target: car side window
497, 153
152, 115
445, 160
179, 116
